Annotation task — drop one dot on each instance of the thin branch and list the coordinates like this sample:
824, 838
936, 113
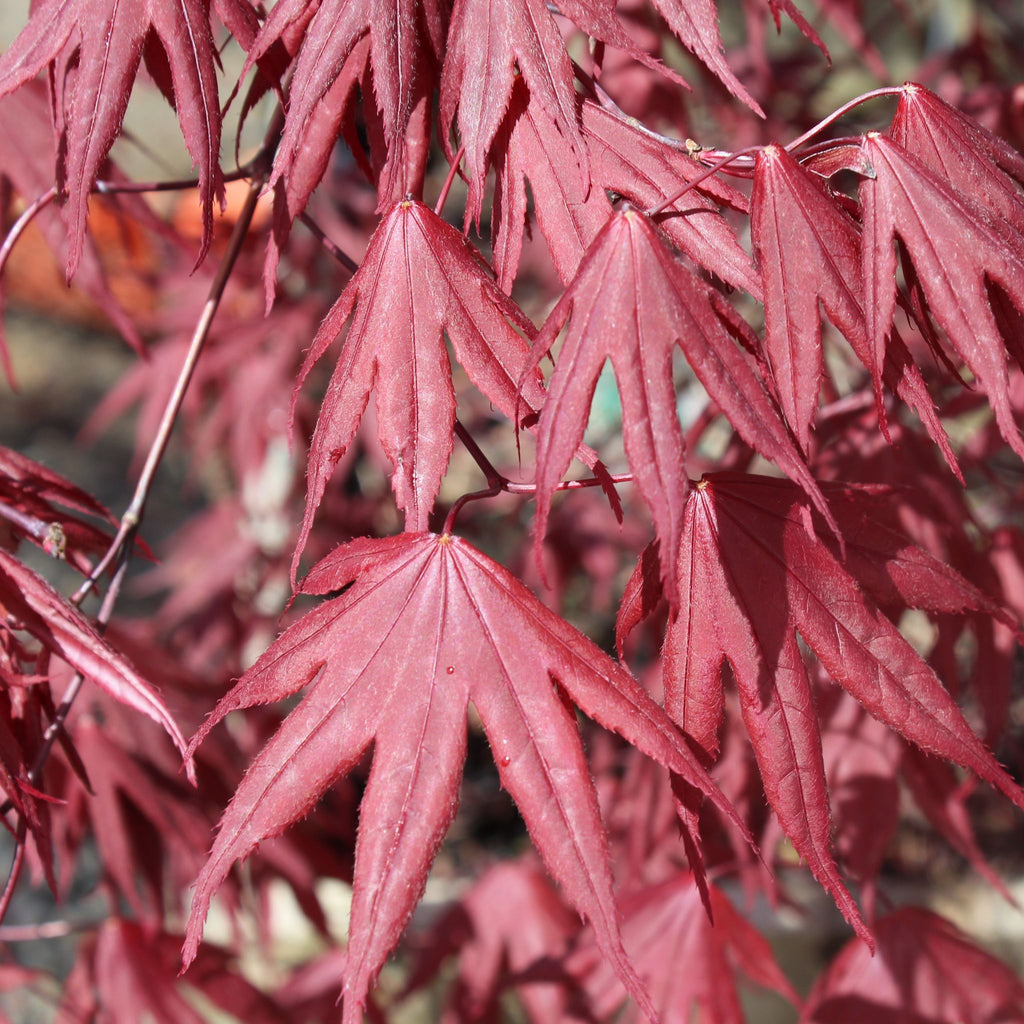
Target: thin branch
133, 515
331, 246
18, 227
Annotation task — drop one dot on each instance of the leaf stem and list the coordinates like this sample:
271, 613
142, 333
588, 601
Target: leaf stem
449, 180
653, 211
889, 90
329, 244
498, 483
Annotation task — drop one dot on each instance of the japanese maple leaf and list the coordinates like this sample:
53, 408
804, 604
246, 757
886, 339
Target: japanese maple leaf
405, 41
629, 161
924, 969
420, 279
631, 303
960, 151
809, 252
429, 624
751, 577
569, 213
65, 631
691, 963
958, 249
95, 48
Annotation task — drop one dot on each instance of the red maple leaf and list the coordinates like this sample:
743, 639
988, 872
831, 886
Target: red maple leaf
125, 973
509, 931
65, 631
405, 39
688, 961
419, 281
631, 303
959, 250
94, 48
809, 252
428, 625
751, 577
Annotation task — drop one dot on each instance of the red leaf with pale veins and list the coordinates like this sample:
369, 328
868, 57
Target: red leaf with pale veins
809, 251
405, 40
642, 169
750, 578
568, 213
725, 618
957, 247
65, 631
631, 303
959, 150
110, 36
372, 678
420, 279
924, 969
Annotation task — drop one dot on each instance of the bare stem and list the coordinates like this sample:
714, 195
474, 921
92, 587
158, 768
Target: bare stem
498, 483
729, 158
18, 227
133, 515
331, 246
449, 180
889, 90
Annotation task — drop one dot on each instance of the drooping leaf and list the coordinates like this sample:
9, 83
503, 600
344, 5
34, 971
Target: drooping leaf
750, 578
428, 625
631, 303
569, 212
809, 252
65, 631
420, 279
957, 248
405, 44
105, 41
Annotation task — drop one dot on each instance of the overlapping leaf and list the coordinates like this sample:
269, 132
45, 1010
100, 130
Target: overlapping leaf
95, 48
630, 162
405, 43
420, 280
631, 303
750, 578
809, 252
428, 625
958, 248
68, 634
